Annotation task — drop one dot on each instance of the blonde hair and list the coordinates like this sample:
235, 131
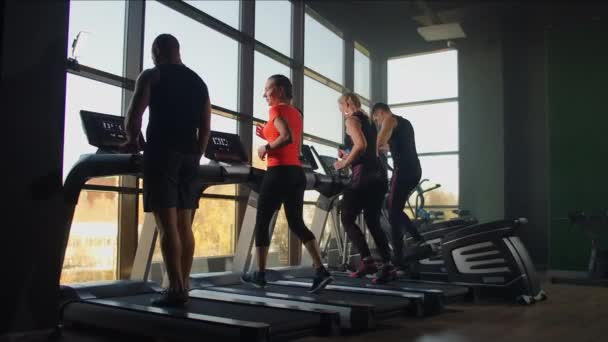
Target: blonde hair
353, 98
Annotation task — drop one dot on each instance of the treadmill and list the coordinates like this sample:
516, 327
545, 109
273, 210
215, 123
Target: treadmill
359, 308
436, 295
124, 305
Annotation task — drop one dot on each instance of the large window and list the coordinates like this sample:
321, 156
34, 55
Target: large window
424, 89
273, 24
214, 56
213, 46
100, 27
323, 50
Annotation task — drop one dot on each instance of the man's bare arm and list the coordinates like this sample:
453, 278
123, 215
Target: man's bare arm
139, 102
385, 133
204, 129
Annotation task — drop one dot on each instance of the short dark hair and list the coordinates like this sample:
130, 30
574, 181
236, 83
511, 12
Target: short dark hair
166, 44
380, 106
284, 83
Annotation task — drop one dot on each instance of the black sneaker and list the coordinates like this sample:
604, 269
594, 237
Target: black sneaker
322, 279
386, 273
171, 299
257, 279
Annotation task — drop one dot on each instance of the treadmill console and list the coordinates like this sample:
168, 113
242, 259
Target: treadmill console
105, 131
308, 159
328, 163
225, 147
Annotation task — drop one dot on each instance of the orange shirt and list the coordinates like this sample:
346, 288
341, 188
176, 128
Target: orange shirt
288, 154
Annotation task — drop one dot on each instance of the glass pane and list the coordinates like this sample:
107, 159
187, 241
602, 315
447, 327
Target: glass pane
441, 170
323, 50
273, 24
362, 74
435, 126
227, 11
91, 250
424, 77
264, 67
365, 109
107, 181
278, 253
218, 66
83, 93
101, 25
213, 227
322, 117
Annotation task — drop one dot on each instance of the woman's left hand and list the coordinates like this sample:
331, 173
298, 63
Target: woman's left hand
262, 152
339, 164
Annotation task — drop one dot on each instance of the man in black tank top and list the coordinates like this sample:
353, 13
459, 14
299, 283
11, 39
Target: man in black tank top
177, 135
399, 134
366, 190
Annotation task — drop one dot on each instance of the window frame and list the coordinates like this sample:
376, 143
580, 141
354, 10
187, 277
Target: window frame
431, 102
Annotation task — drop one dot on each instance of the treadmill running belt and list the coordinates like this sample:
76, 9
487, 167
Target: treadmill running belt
382, 303
447, 289
280, 320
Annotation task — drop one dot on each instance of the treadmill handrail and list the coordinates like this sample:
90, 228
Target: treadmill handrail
106, 165
99, 165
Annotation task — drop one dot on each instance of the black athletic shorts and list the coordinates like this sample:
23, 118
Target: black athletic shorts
170, 180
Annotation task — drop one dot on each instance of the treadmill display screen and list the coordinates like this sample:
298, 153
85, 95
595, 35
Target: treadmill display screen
104, 130
225, 147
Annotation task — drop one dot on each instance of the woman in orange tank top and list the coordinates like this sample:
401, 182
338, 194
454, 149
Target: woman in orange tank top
284, 181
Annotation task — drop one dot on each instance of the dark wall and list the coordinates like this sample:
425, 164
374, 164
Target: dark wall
526, 134
481, 131
1, 29
577, 72
33, 99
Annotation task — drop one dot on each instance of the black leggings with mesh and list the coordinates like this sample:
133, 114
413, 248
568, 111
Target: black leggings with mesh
366, 196
282, 185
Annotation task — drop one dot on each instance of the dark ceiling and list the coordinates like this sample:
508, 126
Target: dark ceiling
387, 26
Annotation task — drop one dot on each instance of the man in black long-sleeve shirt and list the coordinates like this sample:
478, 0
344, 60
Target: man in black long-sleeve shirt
177, 135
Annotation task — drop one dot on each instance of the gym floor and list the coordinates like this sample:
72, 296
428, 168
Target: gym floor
572, 313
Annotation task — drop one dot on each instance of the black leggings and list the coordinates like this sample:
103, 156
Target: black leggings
367, 197
401, 187
281, 185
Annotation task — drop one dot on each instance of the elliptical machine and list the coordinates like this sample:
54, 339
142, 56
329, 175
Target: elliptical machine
488, 257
